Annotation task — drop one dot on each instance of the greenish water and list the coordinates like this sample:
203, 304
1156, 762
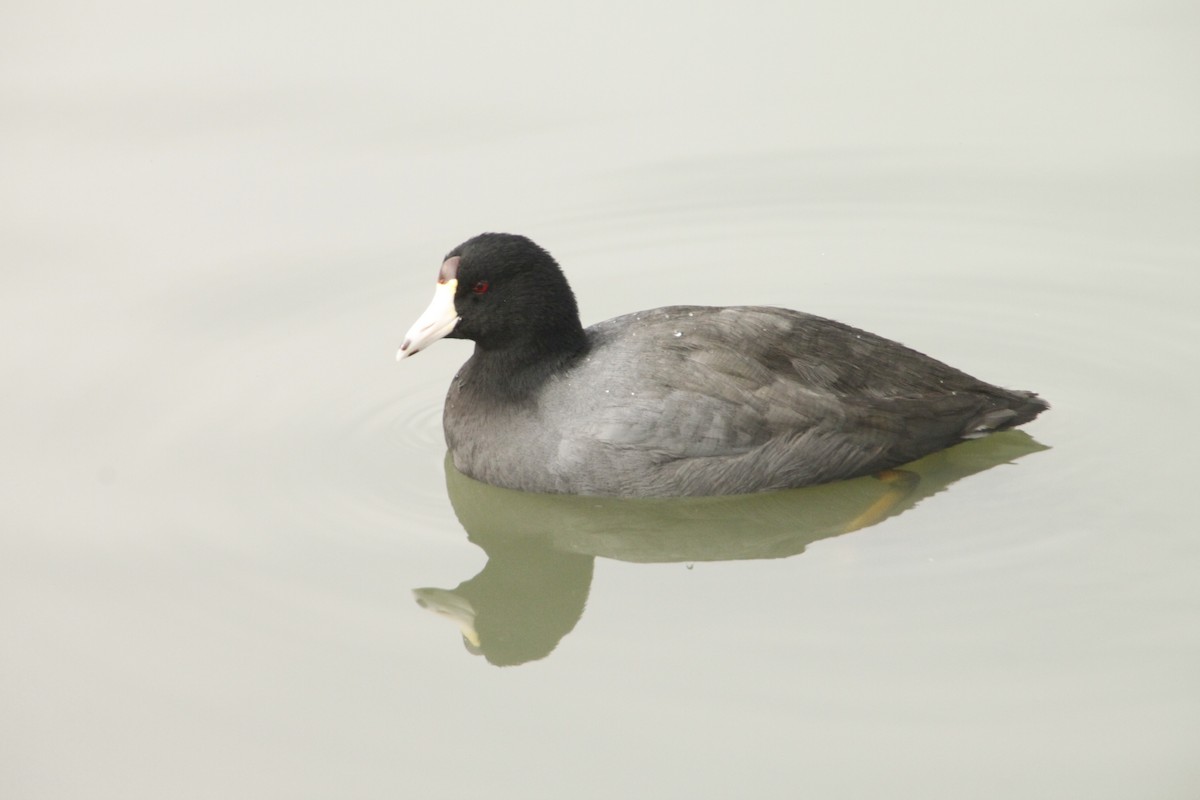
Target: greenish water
233, 563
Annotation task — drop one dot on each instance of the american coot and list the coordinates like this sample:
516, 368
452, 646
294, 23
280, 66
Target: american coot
684, 400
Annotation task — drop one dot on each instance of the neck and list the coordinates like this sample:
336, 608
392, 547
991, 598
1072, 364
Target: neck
516, 370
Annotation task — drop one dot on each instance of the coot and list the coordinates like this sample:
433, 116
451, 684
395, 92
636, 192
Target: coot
683, 400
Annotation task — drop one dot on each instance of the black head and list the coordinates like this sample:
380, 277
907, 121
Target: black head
507, 295
511, 293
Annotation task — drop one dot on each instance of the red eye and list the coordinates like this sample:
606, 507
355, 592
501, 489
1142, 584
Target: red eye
480, 287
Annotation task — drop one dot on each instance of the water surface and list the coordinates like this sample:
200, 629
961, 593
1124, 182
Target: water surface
221, 493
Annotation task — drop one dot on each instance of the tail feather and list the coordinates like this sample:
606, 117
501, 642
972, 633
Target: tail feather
1021, 408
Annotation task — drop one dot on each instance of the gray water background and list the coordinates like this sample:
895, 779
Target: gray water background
219, 491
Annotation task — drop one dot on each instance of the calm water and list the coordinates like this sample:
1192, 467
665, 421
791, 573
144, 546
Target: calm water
234, 565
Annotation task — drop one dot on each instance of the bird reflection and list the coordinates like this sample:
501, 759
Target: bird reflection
541, 548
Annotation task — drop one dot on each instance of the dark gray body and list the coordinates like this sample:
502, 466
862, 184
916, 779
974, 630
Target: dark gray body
692, 400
